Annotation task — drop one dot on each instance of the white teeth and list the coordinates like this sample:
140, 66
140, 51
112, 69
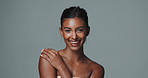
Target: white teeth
75, 42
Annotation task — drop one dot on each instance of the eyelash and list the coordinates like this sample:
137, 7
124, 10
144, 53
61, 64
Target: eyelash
78, 30
67, 30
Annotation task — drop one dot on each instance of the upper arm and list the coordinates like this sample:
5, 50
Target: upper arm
98, 72
46, 70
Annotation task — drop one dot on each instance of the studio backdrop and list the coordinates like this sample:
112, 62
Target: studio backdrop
118, 39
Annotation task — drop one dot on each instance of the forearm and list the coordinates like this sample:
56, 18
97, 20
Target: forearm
64, 71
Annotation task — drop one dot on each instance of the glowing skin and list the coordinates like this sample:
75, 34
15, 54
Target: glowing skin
70, 62
74, 32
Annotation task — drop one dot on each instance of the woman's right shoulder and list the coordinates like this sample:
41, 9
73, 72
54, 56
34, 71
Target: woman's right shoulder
46, 69
43, 61
44, 64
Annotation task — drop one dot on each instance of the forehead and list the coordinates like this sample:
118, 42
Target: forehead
73, 22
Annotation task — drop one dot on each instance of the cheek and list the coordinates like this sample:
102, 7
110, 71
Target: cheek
66, 35
79, 35
82, 35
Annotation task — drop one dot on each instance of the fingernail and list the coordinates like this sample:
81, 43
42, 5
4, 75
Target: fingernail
41, 55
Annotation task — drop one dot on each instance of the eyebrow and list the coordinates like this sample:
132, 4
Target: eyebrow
81, 27
67, 28
76, 28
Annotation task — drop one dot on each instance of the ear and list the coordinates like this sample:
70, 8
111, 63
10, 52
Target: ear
61, 32
88, 31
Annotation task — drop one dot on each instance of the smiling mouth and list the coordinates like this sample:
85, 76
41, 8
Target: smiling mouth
74, 43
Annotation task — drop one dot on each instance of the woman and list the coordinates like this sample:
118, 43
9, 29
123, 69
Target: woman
71, 61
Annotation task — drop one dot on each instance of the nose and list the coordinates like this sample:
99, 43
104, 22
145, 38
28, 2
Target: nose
74, 35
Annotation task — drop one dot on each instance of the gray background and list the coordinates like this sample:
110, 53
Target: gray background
118, 38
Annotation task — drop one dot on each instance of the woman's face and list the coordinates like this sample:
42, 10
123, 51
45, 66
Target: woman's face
74, 32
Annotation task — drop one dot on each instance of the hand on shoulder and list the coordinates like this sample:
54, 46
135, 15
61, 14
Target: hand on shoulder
53, 57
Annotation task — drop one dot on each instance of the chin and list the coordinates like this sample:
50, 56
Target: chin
75, 48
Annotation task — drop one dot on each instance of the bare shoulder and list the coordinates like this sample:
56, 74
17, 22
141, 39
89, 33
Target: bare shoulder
96, 66
46, 70
97, 70
44, 63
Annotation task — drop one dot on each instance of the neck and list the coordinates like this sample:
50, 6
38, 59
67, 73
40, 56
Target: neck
74, 55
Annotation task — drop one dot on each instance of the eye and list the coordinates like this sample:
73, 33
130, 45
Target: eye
67, 30
80, 30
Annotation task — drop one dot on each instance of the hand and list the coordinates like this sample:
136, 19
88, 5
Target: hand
53, 57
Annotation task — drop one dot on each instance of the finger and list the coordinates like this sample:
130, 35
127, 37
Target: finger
50, 49
45, 57
47, 53
52, 52
42, 50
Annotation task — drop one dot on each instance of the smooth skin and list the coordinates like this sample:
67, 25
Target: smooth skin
71, 61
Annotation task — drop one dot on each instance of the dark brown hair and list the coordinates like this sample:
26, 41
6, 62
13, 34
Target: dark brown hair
74, 12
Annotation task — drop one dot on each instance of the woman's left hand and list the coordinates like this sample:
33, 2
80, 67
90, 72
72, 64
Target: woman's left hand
53, 57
